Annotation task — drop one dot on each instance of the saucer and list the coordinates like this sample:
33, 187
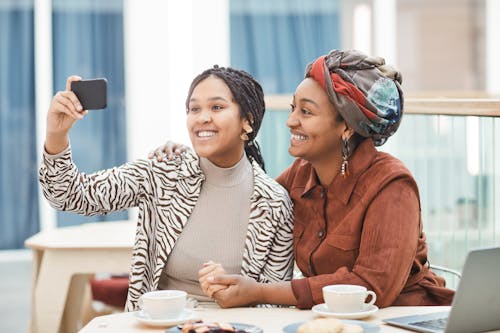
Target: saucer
186, 315
367, 327
322, 310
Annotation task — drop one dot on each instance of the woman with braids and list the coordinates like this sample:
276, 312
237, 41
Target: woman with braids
214, 203
357, 210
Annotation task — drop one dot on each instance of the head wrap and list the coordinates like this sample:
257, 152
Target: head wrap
365, 91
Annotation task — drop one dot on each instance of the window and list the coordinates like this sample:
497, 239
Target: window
18, 148
273, 41
88, 41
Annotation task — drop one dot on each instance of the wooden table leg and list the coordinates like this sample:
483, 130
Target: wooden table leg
59, 290
73, 310
51, 291
36, 262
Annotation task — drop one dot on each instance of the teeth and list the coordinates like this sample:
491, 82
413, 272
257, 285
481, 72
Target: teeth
205, 134
299, 137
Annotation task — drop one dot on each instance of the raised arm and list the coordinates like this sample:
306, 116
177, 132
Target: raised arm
70, 190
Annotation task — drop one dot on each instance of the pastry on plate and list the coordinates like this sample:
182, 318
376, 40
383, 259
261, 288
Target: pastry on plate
328, 325
321, 325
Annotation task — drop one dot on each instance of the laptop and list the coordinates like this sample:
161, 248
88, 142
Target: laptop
476, 305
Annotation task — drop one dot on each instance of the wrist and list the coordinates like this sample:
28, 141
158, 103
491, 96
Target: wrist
261, 293
56, 143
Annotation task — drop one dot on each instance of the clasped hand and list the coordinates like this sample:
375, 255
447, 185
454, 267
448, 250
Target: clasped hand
227, 290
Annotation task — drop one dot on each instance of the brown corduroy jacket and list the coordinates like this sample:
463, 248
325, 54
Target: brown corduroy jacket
365, 229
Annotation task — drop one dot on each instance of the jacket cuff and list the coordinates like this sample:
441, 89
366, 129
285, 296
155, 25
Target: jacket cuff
302, 292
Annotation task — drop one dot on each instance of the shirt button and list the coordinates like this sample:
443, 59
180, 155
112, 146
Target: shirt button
322, 194
321, 233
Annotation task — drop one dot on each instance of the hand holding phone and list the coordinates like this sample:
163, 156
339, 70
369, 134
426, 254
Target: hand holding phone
92, 94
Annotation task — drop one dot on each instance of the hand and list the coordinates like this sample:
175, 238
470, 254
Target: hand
241, 291
169, 148
65, 109
208, 271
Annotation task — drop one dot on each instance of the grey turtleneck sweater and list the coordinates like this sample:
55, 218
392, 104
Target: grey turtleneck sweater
216, 229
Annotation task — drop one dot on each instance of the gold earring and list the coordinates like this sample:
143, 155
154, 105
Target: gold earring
248, 129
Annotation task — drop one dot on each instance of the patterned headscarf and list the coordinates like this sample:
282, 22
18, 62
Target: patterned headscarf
365, 91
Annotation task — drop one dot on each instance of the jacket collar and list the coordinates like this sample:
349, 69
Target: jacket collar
359, 161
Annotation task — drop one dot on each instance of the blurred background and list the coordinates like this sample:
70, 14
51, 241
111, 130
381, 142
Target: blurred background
150, 50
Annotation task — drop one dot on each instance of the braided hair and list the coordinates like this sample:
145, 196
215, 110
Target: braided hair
248, 94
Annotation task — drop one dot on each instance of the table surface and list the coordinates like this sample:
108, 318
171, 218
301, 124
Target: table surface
95, 235
269, 319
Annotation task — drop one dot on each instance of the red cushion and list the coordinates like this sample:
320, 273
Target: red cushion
112, 291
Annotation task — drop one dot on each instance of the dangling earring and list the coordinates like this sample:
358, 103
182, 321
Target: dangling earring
344, 170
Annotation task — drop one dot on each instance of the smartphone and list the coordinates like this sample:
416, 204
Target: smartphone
92, 94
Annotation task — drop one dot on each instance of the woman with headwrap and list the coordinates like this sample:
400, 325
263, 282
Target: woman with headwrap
215, 202
357, 210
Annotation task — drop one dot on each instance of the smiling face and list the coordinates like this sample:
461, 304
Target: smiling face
315, 127
214, 123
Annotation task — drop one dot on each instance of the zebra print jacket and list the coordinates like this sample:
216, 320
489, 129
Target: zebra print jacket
166, 193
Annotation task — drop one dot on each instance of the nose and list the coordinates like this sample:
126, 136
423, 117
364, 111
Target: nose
204, 116
292, 121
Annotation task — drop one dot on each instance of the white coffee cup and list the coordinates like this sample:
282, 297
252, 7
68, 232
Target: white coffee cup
347, 298
163, 304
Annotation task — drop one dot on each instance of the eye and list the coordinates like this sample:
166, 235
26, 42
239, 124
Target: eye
305, 111
292, 107
193, 109
217, 107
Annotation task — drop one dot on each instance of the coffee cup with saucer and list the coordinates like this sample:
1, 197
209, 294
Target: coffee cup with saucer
346, 301
164, 308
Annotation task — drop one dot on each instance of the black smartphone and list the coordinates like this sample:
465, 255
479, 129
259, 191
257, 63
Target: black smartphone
92, 94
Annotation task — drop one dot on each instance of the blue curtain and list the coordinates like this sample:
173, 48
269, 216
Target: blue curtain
274, 41
88, 41
18, 150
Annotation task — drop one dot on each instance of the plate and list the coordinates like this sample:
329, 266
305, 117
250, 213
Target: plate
239, 326
186, 315
322, 310
367, 327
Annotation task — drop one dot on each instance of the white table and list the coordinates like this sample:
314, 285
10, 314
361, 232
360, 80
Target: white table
271, 320
64, 259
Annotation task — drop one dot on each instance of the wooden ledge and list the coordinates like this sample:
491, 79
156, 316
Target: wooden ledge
480, 107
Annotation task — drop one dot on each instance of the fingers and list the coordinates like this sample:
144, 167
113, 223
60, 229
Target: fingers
169, 149
224, 279
213, 288
211, 267
67, 103
206, 274
156, 154
178, 148
225, 297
